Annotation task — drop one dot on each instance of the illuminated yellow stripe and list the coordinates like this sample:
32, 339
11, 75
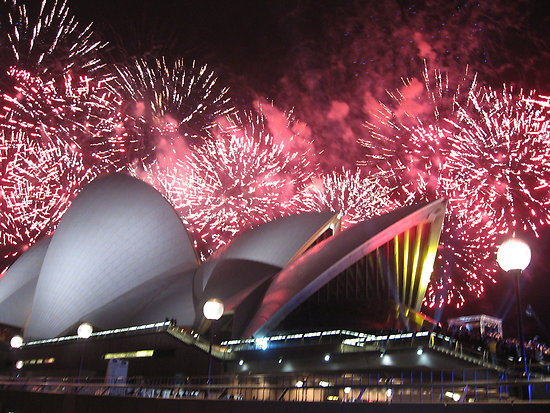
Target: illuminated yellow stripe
129, 354
427, 265
406, 242
39, 361
416, 258
396, 255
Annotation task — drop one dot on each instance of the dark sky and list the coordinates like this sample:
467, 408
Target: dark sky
312, 55
264, 39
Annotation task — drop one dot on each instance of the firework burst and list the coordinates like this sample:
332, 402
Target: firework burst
241, 178
168, 101
37, 186
408, 139
500, 151
49, 40
350, 193
78, 111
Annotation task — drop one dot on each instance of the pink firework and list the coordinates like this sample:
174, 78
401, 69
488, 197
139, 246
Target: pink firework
542, 101
166, 101
465, 263
75, 110
408, 140
355, 196
171, 178
501, 151
47, 39
241, 178
410, 146
37, 186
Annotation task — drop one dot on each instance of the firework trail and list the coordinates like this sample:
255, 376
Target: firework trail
408, 140
79, 111
54, 91
500, 151
166, 101
171, 178
56, 119
49, 41
241, 178
358, 198
409, 147
542, 101
38, 184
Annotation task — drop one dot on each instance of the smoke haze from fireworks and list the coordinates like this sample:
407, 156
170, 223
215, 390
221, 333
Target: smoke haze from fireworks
242, 178
353, 195
167, 101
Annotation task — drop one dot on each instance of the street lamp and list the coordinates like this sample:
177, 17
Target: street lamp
514, 256
84, 331
212, 310
16, 341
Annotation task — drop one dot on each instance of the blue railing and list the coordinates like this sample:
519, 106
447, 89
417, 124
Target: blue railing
448, 386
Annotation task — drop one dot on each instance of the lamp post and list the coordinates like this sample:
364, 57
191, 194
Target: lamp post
16, 341
212, 310
84, 331
514, 256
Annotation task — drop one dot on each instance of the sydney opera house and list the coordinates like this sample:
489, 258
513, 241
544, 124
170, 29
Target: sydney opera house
122, 258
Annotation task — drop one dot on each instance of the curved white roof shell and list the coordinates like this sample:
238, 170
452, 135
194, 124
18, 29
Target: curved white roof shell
316, 267
121, 256
18, 284
256, 255
118, 241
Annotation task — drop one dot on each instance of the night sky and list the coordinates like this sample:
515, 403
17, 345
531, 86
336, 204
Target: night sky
332, 62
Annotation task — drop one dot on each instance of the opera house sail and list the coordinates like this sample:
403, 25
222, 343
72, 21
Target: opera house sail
121, 256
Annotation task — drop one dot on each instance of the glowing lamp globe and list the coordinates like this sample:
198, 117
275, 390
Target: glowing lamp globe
16, 341
84, 330
513, 255
213, 309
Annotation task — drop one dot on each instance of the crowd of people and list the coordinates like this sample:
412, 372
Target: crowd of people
497, 349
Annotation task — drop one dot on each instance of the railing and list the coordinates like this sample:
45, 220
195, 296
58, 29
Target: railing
196, 340
482, 357
449, 386
473, 353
